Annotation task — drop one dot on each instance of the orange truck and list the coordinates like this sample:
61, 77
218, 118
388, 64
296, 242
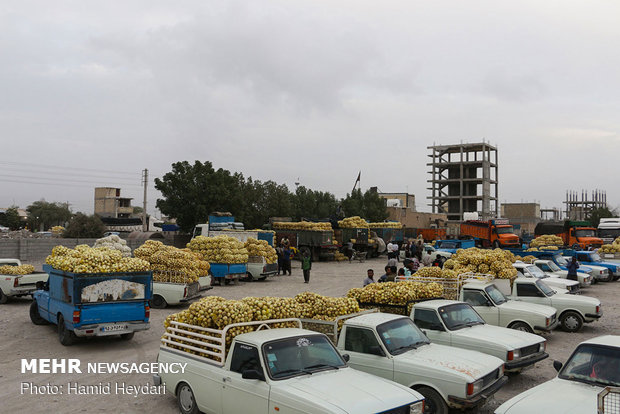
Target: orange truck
578, 235
491, 233
432, 234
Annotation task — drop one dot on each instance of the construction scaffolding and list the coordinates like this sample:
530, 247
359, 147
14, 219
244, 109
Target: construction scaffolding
579, 209
464, 179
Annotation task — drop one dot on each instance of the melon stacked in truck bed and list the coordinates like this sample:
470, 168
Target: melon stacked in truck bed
395, 293
611, 248
216, 313
497, 262
219, 249
261, 248
24, 269
86, 259
114, 242
353, 222
302, 225
547, 240
170, 264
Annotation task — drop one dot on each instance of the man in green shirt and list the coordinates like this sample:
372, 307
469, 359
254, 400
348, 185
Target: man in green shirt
306, 265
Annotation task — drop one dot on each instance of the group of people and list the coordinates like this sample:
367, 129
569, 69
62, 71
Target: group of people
284, 253
410, 267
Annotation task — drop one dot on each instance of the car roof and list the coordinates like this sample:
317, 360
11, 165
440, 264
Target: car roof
266, 335
476, 284
371, 320
608, 340
436, 303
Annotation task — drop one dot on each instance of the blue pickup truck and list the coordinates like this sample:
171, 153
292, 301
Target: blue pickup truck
590, 258
452, 246
93, 304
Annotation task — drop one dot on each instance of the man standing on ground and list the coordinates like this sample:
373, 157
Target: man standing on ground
370, 277
572, 269
306, 265
286, 260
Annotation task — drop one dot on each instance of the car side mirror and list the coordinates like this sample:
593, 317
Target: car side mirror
488, 303
557, 365
376, 350
252, 374
346, 357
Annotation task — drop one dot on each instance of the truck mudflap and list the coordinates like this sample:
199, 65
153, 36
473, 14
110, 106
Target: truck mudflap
479, 399
530, 360
107, 329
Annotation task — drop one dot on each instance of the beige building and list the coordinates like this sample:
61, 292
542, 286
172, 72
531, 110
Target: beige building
525, 214
402, 200
109, 203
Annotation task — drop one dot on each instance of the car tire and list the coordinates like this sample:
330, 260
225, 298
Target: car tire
127, 336
65, 336
521, 326
186, 399
3, 298
158, 302
434, 403
249, 277
571, 321
35, 317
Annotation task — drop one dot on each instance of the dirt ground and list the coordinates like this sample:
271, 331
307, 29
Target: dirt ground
21, 339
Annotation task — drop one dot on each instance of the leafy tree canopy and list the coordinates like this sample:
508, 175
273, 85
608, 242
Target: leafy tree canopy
84, 226
44, 214
11, 218
596, 214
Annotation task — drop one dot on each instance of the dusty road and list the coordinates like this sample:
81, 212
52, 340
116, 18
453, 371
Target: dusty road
21, 339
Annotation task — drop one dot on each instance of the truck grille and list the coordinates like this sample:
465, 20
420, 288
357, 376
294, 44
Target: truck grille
529, 350
400, 410
490, 378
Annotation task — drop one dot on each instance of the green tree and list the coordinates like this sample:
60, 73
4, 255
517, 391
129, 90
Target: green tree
10, 218
191, 192
367, 205
262, 201
596, 214
44, 214
314, 204
85, 226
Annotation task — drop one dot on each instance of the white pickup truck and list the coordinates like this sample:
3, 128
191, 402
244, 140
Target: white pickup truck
589, 382
173, 288
284, 370
18, 285
573, 310
454, 323
553, 270
393, 347
555, 282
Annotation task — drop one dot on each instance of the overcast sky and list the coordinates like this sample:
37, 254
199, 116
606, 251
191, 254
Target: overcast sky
310, 91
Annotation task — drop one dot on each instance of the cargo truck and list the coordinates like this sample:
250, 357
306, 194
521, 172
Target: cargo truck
18, 285
490, 233
93, 304
319, 243
431, 234
609, 229
579, 235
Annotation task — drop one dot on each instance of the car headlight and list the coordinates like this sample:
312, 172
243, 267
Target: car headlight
474, 387
417, 408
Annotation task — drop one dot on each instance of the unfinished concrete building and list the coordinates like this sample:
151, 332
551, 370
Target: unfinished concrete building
463, 179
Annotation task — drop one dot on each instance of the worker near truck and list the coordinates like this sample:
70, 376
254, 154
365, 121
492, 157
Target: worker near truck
286, 260
390, 274
572, 269
306, 265
370, 277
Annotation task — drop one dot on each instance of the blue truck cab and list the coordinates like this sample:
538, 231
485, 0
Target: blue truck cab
93, 304
557, 257
452, 246
592, 258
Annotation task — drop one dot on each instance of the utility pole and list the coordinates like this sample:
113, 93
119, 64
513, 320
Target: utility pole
145, 179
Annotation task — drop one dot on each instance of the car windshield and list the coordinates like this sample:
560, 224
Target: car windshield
593, 364
585, 233
300, 355
594, 257
545, 288
536, 272
401, 335
611, 233
505, 230
496, 296
447, 245
460, 315
553, 266
562, 261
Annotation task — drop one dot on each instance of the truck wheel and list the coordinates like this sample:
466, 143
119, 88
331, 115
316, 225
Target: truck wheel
65, 336
571, 321
35, 317
186, 400
127, 336
158, 302
249, 277
3, 298
433, 403
521, 326
496, 244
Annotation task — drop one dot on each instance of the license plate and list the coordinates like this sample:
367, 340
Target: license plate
112, 328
